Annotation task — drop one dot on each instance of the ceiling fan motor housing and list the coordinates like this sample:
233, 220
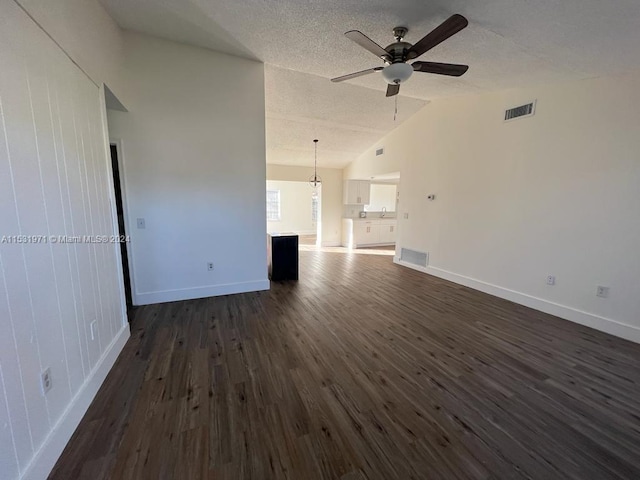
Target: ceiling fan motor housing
398, 71
398, 51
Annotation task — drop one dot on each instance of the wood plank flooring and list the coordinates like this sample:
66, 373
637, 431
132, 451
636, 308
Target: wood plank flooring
361, 370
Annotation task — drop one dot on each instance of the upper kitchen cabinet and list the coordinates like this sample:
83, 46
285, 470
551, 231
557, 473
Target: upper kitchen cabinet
356, 192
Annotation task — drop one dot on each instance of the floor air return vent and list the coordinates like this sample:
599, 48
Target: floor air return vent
414, 257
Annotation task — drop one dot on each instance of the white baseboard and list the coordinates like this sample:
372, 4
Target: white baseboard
47, 455
330, 244
373, 245
607, 325
163, 296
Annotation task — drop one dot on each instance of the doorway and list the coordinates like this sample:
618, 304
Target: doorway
294, 207
117, 186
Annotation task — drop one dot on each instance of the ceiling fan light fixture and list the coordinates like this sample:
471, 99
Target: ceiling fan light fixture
397, 73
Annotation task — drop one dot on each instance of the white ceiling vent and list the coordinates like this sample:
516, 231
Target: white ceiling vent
520, 112
379, 152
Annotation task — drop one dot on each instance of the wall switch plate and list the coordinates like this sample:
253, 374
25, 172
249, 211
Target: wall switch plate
551, 280
210, 266
46, 382
140, 223
92, 326
602, 291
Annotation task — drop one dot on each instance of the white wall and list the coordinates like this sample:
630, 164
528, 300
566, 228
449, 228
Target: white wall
554, 194
331, 202
54, 180
295, 208
88, 35
193, 151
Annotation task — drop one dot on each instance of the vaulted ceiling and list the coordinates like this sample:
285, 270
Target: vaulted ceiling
508, 43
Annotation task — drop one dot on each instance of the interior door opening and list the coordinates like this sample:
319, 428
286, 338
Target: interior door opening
294, 207
121, 229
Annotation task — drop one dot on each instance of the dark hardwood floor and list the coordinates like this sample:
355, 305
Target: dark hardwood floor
361, 370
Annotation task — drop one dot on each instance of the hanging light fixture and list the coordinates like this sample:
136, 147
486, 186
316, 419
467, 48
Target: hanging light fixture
314, 180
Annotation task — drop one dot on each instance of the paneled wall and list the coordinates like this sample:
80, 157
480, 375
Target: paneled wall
54, 182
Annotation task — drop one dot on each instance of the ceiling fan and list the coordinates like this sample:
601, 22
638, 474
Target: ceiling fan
396, 55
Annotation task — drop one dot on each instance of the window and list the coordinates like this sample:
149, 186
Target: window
382, 196
273, 205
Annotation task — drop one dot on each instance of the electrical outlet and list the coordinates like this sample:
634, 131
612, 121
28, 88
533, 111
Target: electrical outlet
141, 223
46, 382
210, 266
406, 216
602, 291
551, 280
93, 325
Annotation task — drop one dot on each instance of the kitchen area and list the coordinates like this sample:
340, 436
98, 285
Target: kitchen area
369, 211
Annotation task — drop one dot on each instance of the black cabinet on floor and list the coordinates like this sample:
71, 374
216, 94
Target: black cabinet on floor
282, 252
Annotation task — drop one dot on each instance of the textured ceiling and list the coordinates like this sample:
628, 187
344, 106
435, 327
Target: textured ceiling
346, 119
508, 43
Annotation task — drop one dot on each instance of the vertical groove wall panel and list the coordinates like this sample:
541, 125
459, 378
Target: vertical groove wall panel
10, 356
59, 221
14, 392
87, 170
8, 458
80, 199
16, 257
53, 174
40, 256
69, 157
93, 203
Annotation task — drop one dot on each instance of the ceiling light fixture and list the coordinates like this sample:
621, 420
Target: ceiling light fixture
314, 180
397, 73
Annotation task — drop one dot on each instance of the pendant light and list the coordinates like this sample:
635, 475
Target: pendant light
314, 180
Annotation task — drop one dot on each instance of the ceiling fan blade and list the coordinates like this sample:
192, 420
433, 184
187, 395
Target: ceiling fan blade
449, 27
451, 69
356, 74
393, 89
368, 44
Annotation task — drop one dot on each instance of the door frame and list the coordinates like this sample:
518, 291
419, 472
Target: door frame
118, 144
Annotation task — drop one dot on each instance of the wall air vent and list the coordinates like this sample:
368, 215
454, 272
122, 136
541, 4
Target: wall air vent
379, 152
414, 257
520, 112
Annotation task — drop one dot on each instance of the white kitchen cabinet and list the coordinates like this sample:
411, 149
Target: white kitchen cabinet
365, 233
387, 232
356, 192
362, 233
